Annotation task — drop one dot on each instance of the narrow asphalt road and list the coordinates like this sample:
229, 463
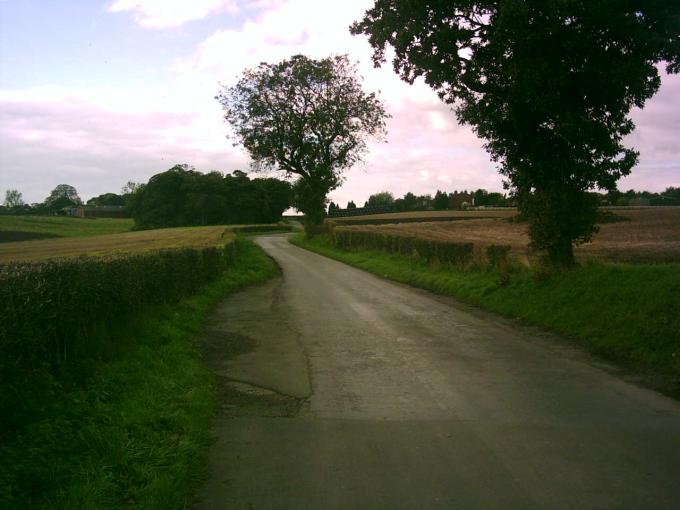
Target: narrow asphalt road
345, 391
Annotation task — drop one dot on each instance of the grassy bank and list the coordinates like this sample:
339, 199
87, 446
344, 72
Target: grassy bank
628, 313
136, 434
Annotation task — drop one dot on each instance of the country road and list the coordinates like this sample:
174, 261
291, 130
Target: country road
353, 392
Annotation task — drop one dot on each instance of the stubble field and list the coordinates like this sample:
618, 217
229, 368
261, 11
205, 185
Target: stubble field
126, 242
642, 235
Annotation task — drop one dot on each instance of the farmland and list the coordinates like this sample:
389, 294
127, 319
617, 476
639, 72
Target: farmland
119, 356
421, 216
21, 228
126, 242
640, 235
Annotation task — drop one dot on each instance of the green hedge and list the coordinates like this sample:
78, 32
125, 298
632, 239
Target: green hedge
56, 317
250, 229
458, 254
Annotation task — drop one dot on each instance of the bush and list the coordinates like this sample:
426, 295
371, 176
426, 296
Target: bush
442, 252
254, 229
56, 317
497, 255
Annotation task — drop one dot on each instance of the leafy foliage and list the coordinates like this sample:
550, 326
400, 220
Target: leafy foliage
306, 117
182, 196
64, 195
107, 199
136, 433
548, 84
431, 251
13, 198
54, 314
380, 199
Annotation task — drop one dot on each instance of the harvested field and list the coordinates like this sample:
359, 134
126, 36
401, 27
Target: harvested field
421, 216
126, 242
649, 235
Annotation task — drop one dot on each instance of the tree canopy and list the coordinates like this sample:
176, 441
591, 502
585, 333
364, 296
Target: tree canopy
13, 198
547, 84
384, 198
63, 195
107, 199
182, 196
309, 118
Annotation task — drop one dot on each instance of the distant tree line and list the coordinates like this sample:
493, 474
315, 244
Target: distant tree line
670, 196
439, 202
61, 199
180, 196
482, 198
183, 196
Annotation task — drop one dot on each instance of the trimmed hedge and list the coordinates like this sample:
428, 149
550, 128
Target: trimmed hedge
57, 316
458, 254
250, 229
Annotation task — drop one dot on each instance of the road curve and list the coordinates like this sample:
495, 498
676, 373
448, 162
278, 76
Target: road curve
366, 394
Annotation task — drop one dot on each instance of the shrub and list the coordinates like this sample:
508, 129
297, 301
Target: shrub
442, 252
253, 229
56, 316
498, 256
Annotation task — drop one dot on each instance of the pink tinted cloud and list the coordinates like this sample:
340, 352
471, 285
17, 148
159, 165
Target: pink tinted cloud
43, 144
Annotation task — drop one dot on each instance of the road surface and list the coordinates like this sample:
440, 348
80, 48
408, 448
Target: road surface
344, 391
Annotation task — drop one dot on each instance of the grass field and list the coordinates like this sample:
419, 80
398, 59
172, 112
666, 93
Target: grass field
136, 435
648, 235
18, 228
629, 313
143, 240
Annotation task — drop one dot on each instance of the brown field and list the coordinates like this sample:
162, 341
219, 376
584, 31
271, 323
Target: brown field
649, 235
126, 242
419, 216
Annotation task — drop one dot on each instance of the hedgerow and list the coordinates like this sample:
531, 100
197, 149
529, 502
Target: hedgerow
57, 316
253, 229
443, 252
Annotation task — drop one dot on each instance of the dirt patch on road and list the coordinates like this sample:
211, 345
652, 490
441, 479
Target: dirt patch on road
237, 398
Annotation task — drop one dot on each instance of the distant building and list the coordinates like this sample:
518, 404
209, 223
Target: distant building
459, 200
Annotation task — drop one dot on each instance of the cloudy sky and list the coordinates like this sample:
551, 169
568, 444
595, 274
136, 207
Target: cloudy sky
96, 93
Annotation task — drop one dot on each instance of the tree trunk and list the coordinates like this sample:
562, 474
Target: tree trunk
559, 217
315, 214
309, 196
561, 253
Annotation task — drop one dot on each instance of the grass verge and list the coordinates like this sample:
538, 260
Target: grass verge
627, 313
136, 434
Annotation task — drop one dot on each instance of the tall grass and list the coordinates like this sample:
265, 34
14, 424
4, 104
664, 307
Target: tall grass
135, 434
629, 313
59, 317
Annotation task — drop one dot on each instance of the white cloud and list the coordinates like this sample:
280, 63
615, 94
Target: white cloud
98, 138
76, 140
160, 14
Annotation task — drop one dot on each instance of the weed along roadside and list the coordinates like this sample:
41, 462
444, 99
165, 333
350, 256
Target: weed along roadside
105, 403
625, 313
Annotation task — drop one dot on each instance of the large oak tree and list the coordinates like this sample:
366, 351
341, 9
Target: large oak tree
309, 118
548, 84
